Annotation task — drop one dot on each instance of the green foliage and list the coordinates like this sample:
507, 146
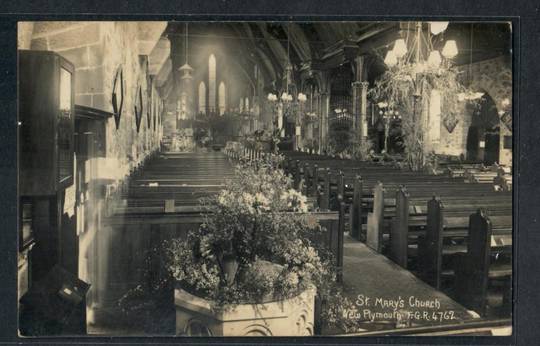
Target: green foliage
258, 218
407, 88
341, 136
264, 223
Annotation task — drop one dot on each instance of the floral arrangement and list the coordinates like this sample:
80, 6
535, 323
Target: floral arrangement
406, 89
183, 141
311, 143
256, 243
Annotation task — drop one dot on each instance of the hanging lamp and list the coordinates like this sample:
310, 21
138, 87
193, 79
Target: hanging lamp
186, 69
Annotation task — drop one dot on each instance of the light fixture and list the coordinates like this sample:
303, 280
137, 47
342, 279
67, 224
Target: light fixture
186, 69
434, 59
450, 49
272, 97
399, 54
470, 95
437, 27
400, 48
420, 67
390, 59
286, 100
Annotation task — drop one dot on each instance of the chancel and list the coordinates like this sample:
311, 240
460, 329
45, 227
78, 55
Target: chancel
265, 178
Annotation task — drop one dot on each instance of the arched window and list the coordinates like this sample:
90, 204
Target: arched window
202, 97
222, 98
241, 104
246, 105
212, 82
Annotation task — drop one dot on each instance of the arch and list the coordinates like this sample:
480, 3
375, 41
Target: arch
222, 96
202, 97
257, 329
494, 76
212, 82
195, 327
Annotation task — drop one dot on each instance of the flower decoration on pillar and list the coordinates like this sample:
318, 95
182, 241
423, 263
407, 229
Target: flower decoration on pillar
417, 63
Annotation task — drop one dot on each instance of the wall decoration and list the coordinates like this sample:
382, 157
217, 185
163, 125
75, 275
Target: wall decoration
506, 119
450, 123
118, 95
138, 107
149, 109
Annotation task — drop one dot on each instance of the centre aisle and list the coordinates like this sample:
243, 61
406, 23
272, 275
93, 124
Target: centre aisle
382, 290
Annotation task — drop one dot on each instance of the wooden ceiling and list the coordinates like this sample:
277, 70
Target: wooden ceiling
319, 44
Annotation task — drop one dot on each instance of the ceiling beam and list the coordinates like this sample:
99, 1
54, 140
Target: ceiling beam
158, 56
148, 35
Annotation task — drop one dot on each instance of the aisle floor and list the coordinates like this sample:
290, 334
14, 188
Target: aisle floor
368, 274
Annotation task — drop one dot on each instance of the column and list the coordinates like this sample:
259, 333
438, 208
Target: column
360, 86
357, 106
298, 127
280, 120
363, 111
325, 105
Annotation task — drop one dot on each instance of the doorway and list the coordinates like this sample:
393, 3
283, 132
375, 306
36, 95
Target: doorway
483, 136
492, 146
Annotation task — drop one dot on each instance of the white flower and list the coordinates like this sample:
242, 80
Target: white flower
261, 201
292, 279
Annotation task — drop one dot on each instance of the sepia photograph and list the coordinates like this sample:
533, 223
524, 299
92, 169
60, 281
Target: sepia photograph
265, 178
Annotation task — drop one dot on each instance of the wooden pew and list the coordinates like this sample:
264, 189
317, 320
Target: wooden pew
336, 177
150, 226
479, 269
411, 213
446, 237
503, 180
459, 170
483, 175
425, 184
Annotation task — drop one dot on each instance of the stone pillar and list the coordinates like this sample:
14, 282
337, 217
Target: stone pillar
356, 102
325, 105
360, 86
363, 111
280, 120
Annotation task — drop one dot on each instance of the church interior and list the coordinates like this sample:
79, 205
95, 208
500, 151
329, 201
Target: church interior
260, 178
